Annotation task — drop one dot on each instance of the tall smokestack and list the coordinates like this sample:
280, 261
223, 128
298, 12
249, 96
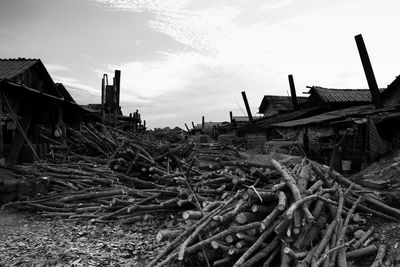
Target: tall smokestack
117, 84
246, 103
293, 92
369, 72
202, 122
231, 116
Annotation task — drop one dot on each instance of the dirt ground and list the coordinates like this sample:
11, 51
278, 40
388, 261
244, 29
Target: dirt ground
31, 240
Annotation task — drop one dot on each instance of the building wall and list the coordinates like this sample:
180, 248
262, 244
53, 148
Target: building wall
255, 140
270, 111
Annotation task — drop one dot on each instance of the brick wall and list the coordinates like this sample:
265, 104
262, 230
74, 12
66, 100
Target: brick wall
255, 140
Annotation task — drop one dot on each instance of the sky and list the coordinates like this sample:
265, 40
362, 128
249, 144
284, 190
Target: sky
184, 59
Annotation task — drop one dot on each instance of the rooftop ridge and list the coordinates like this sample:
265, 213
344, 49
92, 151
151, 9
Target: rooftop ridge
340, 89
20, 59
284, 96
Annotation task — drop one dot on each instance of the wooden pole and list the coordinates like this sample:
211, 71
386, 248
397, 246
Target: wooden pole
117, 85
369, 72
104, 82
246, 103
293, 92
187, 128
193, 125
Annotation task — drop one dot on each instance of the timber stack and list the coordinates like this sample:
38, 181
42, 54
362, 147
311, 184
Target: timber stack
311, 216
292, 212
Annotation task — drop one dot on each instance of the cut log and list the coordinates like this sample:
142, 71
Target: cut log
361, 252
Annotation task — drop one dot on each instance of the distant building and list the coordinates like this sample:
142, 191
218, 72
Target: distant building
272, 104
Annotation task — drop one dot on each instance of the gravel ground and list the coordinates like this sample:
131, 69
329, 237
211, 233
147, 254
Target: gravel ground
30, 240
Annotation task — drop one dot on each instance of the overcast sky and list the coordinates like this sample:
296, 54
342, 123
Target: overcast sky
181, 59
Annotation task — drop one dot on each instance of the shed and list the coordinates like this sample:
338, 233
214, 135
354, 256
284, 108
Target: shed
31, 102
366, 130
273, 104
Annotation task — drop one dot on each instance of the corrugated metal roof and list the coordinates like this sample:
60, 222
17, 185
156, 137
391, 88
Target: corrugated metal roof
9, 68
267, 122
331, 95
280, 103
335, 115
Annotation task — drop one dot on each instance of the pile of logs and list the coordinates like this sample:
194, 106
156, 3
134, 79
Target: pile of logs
117, 176
312, 216
292, 212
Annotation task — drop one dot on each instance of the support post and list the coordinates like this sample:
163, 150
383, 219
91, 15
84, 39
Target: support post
369, 72
117, 84
246, 103
104, 83
19, 140
187, 128
293, 92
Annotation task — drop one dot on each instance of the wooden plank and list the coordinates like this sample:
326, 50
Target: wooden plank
18, 140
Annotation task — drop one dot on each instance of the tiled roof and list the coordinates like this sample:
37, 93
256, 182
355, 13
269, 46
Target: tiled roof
280, 103
330, 95
9, 68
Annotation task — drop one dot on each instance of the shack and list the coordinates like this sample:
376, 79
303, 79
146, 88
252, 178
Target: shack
273, 104
359, 134
30, 103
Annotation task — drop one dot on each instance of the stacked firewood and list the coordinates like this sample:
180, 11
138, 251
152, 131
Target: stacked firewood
312, 216
79, 191
292, 212
137, 178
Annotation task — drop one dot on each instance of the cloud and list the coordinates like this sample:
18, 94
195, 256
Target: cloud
81, 92
276, 5
166, 74
56, 68
227, 56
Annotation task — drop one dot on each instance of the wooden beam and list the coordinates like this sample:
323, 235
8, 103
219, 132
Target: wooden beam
246, 103
104, 82
369, 72
18, 139
1, 129
187, 128
117, 84
293, 92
